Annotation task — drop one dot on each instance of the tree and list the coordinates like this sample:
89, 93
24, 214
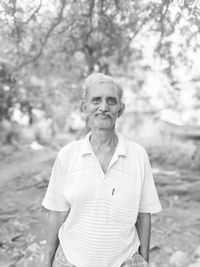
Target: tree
71, 39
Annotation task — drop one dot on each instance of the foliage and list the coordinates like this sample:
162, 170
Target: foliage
69, 39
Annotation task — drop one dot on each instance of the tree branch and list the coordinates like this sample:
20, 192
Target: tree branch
34, 13
163, 12
91, 8
53, 26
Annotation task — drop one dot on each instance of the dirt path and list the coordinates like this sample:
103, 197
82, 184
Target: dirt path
22, 184
27, 162
22, 187
177, 226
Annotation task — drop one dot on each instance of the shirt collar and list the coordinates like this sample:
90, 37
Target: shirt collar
86, 146
121, 149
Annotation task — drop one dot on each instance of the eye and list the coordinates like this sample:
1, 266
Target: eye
112, 100
96, 100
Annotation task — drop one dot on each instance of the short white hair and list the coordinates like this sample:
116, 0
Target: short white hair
98, 78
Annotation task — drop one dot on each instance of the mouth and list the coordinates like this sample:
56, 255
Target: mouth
103, 116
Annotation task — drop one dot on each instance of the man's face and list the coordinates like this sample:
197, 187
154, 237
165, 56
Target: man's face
103, 106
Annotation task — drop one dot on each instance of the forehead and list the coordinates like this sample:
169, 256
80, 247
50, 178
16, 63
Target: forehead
103, 89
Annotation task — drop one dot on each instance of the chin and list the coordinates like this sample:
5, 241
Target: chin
101, 124
104, 125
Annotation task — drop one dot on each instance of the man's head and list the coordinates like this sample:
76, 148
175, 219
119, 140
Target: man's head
98, 78
102, 100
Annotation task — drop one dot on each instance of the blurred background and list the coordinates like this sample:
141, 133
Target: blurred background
47, 48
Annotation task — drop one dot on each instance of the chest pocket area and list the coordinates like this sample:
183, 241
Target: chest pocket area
124, 194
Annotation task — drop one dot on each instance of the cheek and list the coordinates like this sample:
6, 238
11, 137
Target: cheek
116, 113
90, 109
93, 110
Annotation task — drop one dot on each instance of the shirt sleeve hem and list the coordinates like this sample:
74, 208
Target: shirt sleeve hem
55, 205
150, 209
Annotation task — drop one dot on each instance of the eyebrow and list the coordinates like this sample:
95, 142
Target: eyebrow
96, 97
108, 98
112, 97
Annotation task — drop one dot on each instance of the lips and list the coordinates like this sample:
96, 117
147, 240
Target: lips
103, 116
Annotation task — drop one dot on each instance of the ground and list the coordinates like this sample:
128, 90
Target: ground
24, 177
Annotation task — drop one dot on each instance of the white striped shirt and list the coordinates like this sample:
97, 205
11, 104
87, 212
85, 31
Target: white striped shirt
100, 228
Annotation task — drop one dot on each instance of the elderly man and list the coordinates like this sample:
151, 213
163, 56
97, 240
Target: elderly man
101, 192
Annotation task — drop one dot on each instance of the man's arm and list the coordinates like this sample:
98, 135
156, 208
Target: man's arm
54, 221
143, 226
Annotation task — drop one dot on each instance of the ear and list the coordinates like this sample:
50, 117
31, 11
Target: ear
121, 110
83, 106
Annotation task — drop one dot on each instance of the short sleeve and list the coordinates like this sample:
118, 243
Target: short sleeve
149, 201
54, 198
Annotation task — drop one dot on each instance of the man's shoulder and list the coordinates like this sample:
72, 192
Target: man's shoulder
70, 148
135, 147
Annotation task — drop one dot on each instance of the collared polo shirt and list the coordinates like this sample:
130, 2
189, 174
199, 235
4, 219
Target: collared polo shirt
100, 228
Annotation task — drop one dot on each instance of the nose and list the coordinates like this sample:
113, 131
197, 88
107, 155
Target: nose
103, 106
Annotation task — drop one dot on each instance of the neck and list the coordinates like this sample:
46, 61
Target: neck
103, 139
